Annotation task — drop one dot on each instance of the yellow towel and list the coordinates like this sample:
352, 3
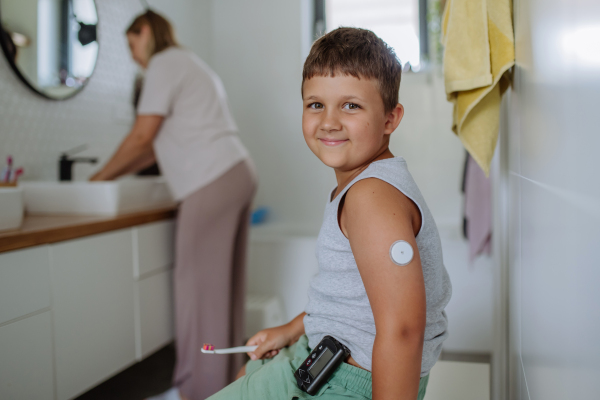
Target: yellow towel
479, 50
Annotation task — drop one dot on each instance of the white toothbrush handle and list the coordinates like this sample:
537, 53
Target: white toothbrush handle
240, 349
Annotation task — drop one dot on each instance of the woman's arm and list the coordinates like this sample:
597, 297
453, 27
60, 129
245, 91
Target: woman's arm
142, 163
134, 151
375, 215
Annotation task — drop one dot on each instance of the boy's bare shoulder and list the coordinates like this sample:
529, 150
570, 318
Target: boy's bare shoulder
375, 195
374, 203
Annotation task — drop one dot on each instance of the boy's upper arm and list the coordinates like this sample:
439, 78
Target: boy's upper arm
374, 216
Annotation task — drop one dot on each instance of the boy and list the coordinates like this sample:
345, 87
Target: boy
386, 308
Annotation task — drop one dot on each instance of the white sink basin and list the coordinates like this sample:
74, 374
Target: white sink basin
96, 198
11, 208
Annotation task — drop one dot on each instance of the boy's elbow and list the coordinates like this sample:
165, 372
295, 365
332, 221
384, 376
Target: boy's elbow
403, 332
410, 334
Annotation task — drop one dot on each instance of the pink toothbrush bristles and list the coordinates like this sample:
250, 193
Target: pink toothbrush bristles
207, 346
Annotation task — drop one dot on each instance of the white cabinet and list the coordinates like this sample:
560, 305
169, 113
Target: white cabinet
93, 306
24, 282
153, 247
26, 359
74, 313
26, 370
154, 313
153, 259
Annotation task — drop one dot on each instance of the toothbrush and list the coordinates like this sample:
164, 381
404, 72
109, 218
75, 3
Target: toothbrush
210, 349
16, 174
9, 162
6, 171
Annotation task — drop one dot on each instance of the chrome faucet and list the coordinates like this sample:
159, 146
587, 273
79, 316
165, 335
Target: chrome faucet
65, 162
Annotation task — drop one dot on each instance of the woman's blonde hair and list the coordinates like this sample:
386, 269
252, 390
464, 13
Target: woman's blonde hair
163, 36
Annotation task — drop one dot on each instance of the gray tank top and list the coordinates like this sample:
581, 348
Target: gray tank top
337, 301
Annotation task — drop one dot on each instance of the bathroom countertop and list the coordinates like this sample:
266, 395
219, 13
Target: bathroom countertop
45, 229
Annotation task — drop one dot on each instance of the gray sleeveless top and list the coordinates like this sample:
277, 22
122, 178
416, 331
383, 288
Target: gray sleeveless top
337, 301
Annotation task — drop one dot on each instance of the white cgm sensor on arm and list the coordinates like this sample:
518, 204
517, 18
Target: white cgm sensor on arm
401, 252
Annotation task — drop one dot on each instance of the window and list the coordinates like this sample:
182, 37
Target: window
400, 23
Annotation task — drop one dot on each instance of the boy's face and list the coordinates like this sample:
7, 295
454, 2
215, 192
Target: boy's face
344, 121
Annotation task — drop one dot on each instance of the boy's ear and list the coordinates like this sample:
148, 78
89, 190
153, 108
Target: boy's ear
393, 119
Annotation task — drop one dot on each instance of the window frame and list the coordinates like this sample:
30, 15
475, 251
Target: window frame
320, 28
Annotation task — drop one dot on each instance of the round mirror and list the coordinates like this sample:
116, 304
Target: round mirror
51, 44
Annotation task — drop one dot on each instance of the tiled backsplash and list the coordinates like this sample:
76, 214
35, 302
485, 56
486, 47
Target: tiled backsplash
35, 130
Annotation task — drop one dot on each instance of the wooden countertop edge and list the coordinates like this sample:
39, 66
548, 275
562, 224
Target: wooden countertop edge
23, 239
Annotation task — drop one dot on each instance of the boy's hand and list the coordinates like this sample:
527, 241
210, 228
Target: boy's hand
271, 340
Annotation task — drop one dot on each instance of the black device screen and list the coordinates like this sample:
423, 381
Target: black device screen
316, 368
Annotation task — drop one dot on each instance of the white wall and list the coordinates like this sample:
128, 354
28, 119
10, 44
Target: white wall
554, 201
434, 154
192, 20
257, 51
435, 158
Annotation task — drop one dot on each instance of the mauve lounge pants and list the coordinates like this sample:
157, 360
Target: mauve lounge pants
209, 279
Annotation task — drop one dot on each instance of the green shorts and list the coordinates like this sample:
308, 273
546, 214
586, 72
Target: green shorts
274, 380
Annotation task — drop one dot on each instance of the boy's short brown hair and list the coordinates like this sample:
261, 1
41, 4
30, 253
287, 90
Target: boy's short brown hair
359, 53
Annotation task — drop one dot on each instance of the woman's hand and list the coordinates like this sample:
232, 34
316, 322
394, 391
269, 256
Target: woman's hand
142, 162
96, 177
271, 340
135, 152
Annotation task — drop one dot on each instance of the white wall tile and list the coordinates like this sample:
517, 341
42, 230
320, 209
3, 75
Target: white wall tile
555, 192
561, 319
558, 89
515, 287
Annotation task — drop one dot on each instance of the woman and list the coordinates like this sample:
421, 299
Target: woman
183, 122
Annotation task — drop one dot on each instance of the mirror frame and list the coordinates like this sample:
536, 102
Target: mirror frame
22, 77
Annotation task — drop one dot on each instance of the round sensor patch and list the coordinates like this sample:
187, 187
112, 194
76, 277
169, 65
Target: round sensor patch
401, 253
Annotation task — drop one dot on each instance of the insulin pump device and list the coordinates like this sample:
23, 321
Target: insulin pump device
320, 364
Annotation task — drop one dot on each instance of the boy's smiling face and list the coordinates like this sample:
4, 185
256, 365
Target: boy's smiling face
344, 121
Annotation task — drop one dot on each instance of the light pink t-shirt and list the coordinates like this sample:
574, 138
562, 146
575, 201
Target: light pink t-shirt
197, 141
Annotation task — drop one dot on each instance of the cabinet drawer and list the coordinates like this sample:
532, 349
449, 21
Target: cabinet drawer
93, 308
26, 354
153, 247
154, 313
24, 282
